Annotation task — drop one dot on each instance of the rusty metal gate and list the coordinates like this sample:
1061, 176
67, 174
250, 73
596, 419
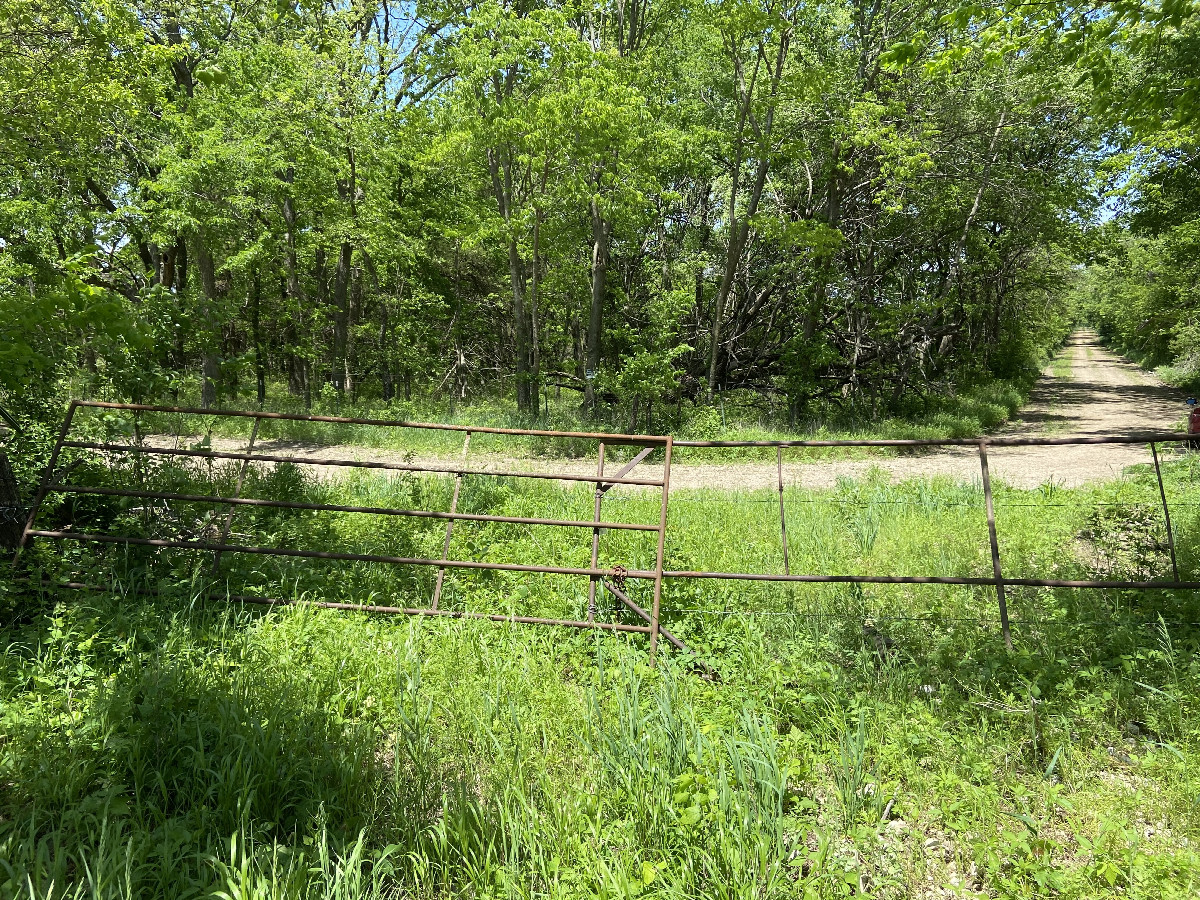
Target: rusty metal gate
611, 580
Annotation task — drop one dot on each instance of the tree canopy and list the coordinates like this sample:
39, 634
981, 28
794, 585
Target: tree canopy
849, 204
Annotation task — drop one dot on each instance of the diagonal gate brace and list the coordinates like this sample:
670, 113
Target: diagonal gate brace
625, 470
671, 639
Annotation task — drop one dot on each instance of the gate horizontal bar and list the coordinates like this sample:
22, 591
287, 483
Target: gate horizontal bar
445, 613
640, 440
351, 463
327, 507
389, 610
645, 440
933, 579
1137, 438
633, 573
325, 554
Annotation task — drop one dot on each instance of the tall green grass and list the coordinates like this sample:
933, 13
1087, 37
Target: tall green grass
859, 740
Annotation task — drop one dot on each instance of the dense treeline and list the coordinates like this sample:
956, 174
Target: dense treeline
839, 202
1142, 289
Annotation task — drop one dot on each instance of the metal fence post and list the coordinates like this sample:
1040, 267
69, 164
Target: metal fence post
591, 606
237, 493
1162, 492
662, 539
991, 521
441, 575
47, 478
782, 516
139, 464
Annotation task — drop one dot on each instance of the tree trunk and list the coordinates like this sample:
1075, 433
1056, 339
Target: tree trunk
520, 323
577, 346
320, 279
341, 316
500, 167
535, 295
208, 287
260, 364
739, 227
600, 237
385, 369
11, 510
289, 219
353, 314
732, 256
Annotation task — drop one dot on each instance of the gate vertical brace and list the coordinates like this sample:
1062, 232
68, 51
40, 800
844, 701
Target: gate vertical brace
782, 516
662, 539
1162, 492
441, 575
139, 464
237, 493
593, 581
47, 478
995, 544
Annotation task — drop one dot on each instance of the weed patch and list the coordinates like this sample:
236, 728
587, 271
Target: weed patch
863, 739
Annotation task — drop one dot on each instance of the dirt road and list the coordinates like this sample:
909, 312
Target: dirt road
1102, 394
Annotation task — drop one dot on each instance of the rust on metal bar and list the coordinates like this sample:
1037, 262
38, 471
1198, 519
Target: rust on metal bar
877, 579
1162, 492
671, 639
351, 463
325, 554
995, 545
1135, 438
445, 613
1162, 437
237, 492
47, 479
638, 439
602, 483
441, 574
658, 559
832, 579
331, 507
782, 515
600, 489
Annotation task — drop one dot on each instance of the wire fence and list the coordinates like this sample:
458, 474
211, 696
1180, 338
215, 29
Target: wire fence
987, 502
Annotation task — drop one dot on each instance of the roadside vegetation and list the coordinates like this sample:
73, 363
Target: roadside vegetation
871, 740
970, 411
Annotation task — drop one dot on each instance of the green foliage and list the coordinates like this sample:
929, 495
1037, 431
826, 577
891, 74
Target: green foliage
1144, 300
40, 328
180, 746
427, 203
